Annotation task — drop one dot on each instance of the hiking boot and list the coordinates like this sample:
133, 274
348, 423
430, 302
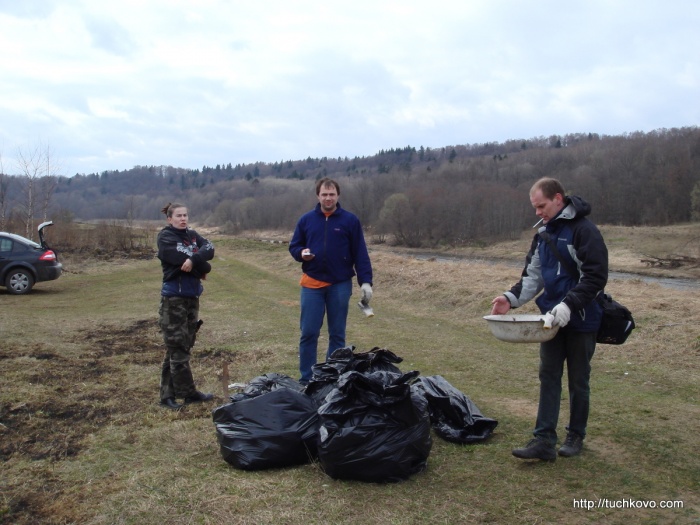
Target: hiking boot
169, 402
537, 448
198, 397
572, 445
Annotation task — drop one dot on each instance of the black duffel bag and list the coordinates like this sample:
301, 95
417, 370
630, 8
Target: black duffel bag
617, 323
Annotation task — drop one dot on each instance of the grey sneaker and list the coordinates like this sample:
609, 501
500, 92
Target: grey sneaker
572, 445
537, 448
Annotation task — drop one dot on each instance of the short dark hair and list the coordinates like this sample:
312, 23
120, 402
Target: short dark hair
549, 187
324, 182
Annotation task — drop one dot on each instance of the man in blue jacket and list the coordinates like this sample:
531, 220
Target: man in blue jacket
570, 280
329, 243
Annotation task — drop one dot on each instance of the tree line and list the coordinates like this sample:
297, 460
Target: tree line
415, 196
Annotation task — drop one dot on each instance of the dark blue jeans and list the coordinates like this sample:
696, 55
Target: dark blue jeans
331, 301
577, 350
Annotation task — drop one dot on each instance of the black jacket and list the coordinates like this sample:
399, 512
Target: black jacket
175, 246
581, 245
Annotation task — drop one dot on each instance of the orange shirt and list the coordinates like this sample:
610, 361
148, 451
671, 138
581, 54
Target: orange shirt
310, 282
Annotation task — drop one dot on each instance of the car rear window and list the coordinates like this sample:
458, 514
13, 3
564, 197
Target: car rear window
18, 247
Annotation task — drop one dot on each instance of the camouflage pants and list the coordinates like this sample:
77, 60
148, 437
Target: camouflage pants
178, 323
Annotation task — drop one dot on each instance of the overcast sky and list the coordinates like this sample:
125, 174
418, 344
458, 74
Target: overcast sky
113, 84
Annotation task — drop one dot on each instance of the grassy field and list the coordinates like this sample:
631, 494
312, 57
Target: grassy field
84, 441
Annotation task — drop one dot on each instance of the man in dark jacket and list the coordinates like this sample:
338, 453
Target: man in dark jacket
570, 280
329, 243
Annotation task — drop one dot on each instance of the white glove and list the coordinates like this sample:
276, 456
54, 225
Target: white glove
366, 293
562, 314
548, 321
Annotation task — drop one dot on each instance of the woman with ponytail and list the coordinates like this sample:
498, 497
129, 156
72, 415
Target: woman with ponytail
184, 256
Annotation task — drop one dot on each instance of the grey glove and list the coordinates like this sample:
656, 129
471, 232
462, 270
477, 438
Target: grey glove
366, 293
562, 314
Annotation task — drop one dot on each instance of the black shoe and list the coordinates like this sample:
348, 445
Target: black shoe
537, 448
572, 445
170, 403
198, 397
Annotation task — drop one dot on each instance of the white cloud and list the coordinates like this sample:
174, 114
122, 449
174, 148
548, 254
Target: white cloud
187, 83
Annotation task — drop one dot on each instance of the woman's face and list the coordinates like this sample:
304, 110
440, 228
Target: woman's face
179, 218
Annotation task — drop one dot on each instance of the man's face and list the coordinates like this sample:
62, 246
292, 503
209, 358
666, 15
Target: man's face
328, 197
546, 209
179, 218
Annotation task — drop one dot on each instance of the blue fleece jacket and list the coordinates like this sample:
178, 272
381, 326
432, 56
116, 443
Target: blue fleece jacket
338, 243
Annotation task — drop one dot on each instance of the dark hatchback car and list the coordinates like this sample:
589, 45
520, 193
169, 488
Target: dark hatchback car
24, 262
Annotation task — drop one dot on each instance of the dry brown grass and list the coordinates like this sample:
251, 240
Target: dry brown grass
83, 440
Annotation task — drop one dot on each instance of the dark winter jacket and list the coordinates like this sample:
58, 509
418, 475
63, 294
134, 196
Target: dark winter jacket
338, 244
175, 246
582, 246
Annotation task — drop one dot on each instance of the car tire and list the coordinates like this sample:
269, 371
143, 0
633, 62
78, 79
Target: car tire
19, 282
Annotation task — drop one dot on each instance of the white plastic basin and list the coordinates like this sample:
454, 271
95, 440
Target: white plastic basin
522, 328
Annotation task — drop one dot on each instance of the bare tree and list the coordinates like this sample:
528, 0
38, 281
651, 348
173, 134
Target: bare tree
4, 182
38, 182
397, 218
361, 200
695, 200
49, 181
31, 167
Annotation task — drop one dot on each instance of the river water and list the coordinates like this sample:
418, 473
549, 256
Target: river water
668, 282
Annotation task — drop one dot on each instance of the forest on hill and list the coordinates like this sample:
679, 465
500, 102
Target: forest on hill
420, 196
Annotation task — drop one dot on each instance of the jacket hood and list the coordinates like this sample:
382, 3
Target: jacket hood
576, 207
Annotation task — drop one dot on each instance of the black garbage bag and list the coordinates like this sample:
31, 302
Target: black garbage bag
342, 358
453, 415
267, 383
323, 381
274, 429
377, 360
325, 375
374, 427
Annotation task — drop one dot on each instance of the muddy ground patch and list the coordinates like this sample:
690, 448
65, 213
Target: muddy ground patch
61, 399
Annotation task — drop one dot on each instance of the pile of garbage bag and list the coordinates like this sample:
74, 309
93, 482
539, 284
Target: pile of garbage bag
360, 417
